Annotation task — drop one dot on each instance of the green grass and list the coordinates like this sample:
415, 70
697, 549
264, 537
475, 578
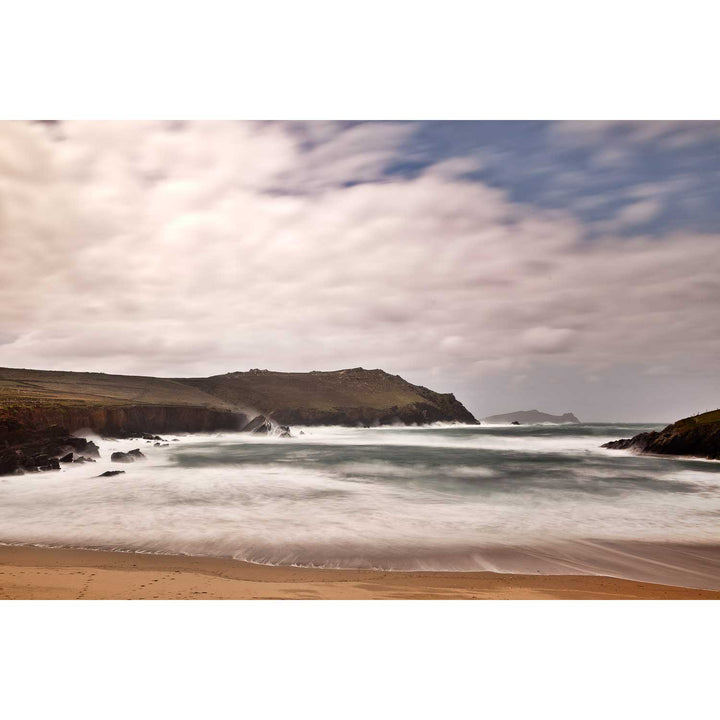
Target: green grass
31, 388
263, 391
706, 418
268, 391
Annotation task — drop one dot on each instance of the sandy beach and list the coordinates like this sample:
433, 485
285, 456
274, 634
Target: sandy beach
31, 573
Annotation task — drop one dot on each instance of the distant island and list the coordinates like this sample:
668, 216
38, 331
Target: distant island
41, 409
531, 417
697, 436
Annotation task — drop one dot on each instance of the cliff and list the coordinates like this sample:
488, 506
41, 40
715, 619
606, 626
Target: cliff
33, 437
344, 397
119, 420
697, 436
40, 410
530, 417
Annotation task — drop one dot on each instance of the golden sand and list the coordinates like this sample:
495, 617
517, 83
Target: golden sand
33, 573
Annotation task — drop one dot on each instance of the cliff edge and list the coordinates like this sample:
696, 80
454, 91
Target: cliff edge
349, 397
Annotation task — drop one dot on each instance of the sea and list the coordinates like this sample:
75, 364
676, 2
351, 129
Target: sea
540, 499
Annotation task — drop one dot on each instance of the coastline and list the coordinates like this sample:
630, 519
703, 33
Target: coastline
36, 573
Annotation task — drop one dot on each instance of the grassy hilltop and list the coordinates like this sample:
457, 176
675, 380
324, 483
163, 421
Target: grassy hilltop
343, 397
697, 436
42, 387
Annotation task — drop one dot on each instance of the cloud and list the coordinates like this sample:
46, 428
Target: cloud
668, 134
456, 167
611, 157
547, 340
140, 247
340, 157
638, 213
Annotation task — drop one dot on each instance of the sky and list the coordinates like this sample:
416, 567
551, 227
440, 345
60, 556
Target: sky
563, 266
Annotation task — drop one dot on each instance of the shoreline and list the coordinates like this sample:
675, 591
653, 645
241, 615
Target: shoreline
29, 572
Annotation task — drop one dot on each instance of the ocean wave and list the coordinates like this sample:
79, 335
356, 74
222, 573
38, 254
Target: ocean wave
339, 497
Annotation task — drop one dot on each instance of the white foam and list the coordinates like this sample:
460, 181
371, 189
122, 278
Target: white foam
288, 508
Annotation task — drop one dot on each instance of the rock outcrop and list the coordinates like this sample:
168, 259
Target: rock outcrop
129, 420
260, 425
29, 449
127, 457
697, 436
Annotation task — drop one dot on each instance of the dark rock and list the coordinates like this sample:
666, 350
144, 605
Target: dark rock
81, 446
122, 457
636, 442
514, 422
91, 450
32, 449
127, 457
82, 459
262, 425
111, 473
259, 424
10, 462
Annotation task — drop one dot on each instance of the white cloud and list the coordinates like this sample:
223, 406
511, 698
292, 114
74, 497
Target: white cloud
358, 154
638, 213
135, 248
456, 167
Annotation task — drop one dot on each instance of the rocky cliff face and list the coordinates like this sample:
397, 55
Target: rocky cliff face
124, 419
697, 436
413, 414
33, 438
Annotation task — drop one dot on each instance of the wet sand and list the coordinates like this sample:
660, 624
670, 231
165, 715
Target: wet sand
32, 573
